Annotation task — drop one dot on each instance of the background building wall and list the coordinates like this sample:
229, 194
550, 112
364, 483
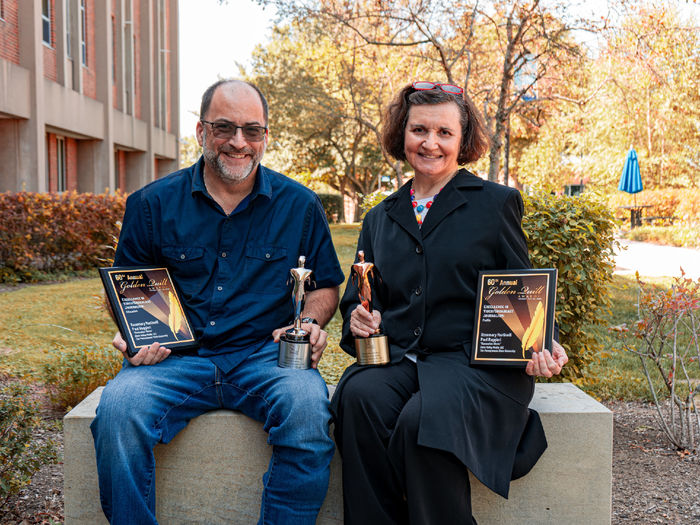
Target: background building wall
116, 115
9, 32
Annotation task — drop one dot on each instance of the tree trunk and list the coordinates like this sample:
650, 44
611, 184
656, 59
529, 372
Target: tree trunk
495, 152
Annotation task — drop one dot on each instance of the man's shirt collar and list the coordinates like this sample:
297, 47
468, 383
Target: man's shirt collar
262, 184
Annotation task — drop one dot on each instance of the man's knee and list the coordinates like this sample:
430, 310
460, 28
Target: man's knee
123, 407
299, 397
300, 414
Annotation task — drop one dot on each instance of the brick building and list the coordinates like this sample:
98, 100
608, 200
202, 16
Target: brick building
88, 93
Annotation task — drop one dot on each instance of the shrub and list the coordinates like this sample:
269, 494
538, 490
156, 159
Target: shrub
574, 235
332, 205
665, 338
370, 200
20, 457
687, 236
71, 374
50, 232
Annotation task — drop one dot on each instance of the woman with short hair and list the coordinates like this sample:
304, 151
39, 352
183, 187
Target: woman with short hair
409, 432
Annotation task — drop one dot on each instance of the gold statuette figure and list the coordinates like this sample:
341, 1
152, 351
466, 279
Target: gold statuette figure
372, 350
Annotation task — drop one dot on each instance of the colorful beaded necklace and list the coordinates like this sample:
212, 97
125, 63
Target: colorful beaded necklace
421, 205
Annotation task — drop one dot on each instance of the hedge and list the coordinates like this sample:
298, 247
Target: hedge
55, 232
576, 236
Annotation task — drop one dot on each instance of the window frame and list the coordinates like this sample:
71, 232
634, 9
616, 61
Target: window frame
61, 167
46, 22
83, 33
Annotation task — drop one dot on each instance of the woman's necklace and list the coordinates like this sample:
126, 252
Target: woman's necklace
422, 205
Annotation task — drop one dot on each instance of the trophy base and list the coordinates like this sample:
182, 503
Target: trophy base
372, 350
294, 352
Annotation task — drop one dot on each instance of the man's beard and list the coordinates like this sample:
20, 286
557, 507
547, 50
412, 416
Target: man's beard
214, 160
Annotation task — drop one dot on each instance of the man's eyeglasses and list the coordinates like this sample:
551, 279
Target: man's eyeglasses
424, 85
226, 130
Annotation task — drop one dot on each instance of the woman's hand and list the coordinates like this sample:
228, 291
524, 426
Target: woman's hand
545, 364
363, 323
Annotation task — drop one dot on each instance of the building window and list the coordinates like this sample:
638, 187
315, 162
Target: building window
46, 21
83, 32
2, 9
162, 68
60, 164
114, 50
69, 26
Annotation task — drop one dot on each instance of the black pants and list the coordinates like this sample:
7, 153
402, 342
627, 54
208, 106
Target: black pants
387, 477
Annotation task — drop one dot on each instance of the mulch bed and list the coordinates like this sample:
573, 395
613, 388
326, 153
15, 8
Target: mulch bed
652, 482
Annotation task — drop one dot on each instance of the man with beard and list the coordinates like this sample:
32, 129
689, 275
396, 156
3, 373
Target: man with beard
229, 230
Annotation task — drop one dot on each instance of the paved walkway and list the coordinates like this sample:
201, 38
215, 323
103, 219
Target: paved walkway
653, 260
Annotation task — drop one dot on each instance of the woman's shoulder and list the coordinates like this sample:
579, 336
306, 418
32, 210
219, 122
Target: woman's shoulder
494, 191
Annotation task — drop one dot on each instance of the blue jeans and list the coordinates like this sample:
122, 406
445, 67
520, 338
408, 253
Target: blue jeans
146, 405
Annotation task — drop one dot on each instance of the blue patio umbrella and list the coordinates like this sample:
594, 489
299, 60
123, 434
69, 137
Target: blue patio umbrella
631, 180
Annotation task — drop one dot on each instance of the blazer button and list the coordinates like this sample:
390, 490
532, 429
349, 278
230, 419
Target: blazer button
419, 290
417, 331
419, 249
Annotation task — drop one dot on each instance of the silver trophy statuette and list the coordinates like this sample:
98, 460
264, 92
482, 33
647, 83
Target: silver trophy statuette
295, 348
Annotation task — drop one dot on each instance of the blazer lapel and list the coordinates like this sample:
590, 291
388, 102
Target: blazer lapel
449, 199
398, 208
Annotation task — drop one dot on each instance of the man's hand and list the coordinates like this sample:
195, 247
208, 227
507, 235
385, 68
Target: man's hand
147, 355
545, 364
317, 337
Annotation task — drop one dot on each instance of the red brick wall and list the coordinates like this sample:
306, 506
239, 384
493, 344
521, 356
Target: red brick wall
137, 58
120, 169
71, 164
50, 52
52, 160
89, 75
9, 32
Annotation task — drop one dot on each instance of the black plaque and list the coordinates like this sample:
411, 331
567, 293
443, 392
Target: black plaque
147, 307
514, 316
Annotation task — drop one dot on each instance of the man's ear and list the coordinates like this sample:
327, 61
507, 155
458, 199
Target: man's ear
199, 131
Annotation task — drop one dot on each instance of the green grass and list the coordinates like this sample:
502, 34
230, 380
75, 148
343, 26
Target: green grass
31, 317
334, 359
41, 317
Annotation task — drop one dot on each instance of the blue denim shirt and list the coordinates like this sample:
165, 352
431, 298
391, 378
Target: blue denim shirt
232, 271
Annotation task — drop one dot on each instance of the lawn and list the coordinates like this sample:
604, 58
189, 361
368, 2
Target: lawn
39, 318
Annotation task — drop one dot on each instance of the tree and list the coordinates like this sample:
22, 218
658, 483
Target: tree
327, 91
190, 150
465, 43
653, 101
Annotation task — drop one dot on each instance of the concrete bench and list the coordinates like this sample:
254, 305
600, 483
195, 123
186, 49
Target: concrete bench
211, 472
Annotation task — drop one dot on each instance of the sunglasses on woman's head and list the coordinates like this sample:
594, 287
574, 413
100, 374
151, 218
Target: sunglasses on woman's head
424, 85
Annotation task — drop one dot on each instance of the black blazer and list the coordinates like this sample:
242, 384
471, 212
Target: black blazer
426, 293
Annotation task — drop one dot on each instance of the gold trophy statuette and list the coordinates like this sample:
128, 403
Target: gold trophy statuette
295, 348
372, 350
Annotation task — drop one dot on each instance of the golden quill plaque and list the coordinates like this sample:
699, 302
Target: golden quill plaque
147, 307
514, 316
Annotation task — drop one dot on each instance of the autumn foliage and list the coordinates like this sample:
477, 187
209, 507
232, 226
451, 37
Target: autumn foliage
666, 340
51, 232
682, 204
